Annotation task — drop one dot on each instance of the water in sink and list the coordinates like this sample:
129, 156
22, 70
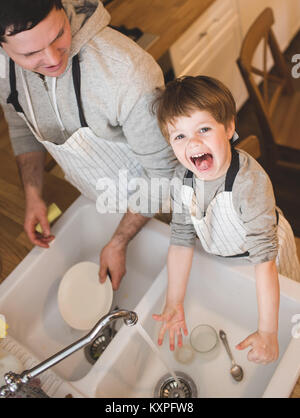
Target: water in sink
156, 351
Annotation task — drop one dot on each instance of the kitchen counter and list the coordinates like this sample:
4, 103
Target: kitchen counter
168, 19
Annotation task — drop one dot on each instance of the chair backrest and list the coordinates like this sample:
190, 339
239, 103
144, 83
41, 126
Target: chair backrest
250, 145
264, 98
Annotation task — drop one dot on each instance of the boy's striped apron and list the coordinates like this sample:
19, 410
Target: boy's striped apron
84, 157
222, 232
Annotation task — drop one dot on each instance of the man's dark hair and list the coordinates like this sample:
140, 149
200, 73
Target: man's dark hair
19, 15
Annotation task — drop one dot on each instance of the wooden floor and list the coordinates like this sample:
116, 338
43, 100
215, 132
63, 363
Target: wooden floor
14, 245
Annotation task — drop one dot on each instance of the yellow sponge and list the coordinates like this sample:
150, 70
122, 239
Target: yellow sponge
53, 213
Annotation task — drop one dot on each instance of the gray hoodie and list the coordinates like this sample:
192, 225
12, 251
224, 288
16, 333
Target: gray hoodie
118, 79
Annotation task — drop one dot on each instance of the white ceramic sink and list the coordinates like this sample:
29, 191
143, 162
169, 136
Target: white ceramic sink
28, 296
218, 294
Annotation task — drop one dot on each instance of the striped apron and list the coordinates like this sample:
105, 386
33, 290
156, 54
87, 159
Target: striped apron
222, 232
84, 157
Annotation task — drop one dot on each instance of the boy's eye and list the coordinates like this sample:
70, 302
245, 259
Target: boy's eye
180, 136
203, 130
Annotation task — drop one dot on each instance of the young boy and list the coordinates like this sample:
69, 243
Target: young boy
234, 215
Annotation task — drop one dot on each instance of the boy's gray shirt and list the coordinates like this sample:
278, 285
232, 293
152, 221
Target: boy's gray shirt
118, 79
253, 200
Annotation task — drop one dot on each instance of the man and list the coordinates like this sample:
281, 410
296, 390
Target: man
73, 86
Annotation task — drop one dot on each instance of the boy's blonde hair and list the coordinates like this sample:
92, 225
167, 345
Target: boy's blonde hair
185, 95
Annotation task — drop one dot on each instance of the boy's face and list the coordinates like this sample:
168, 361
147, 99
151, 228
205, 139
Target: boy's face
44, 48
201, 144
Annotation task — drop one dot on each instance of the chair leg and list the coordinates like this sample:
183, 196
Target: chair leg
288, 172
289, 154
286, 186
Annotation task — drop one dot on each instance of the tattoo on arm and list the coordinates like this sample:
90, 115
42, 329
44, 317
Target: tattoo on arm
31, 169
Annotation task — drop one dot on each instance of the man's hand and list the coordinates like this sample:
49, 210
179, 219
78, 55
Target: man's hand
113, 263
31, 169
113, 255
36, 212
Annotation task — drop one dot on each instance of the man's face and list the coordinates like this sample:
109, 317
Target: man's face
43, 49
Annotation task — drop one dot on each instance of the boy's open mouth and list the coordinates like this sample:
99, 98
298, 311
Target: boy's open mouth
202, 161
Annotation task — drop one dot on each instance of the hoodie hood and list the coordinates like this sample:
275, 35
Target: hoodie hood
87, 18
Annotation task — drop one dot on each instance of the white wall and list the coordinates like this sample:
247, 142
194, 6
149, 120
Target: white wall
286, 14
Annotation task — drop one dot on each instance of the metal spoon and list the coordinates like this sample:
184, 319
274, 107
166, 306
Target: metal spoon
236, 370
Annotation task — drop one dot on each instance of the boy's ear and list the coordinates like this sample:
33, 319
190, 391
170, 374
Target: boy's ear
230, 129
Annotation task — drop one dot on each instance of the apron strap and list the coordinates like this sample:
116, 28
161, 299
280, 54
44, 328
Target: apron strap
13, 97
188, 178
245, 254
277, 216
232, 170
77, 88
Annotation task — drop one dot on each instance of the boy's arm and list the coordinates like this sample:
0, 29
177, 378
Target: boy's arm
267, 290
254, 202
264, 341
179, 266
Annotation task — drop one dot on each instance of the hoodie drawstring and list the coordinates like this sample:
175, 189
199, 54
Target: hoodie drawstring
28, 99
62, 128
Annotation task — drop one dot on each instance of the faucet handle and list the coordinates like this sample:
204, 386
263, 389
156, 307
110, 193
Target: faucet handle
13, 383
131, 319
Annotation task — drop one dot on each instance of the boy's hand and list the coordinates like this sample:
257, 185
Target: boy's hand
174, 321
264, 347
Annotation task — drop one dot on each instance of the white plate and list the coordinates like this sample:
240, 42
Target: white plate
82, 299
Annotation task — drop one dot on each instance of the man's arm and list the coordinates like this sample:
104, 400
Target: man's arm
134, 98
113, 255
30, 158
31, 169
140, 127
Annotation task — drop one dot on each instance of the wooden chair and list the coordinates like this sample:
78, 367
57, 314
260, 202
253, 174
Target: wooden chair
276, 103
250, 145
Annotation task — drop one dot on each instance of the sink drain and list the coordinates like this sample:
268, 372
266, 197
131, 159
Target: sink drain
93, 351
167, 387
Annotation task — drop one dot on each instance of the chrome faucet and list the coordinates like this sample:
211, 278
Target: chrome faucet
15, 381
